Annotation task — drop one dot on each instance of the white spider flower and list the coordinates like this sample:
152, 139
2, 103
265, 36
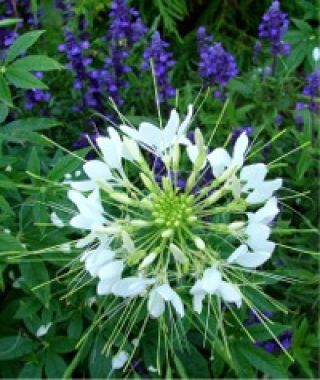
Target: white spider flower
163, 241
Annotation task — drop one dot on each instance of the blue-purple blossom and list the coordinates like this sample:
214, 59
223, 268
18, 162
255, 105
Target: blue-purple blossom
162, 60
33, 97
126, 26
126, 29
311, 91
216, 66
271, 345
273, 27
78, 62
278, 120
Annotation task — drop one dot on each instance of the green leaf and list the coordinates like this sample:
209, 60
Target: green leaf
13, 347
9, 243
4, 110
23, 79
99, 363
75, 327
21, 44
29, 124
5, 94
302, 25
262, 360
54, 365
67, 164
28, 306
194, 363
9, 21
36, 63
30, 371
33, 165
62, 344
296, 57
36, 274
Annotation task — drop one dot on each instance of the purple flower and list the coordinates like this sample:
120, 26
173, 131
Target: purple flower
273, 27
298, 119
125, 30
278, 120
126, 26
312, 88
272, 346
216, 66
162, 61
312, 91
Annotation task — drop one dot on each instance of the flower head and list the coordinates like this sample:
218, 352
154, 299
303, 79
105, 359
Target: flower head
216, 66
168, 247
273, 27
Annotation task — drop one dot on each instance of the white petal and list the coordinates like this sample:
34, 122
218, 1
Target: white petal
97, 170
253, 259
43, 329
111, 150
86, 185
230, 293
197, 302
193, 152
156, 304
104, 286
110, 270
133, 133
171, 129
86, 240
316, 54
170, 295
266, 246
81, 222
197, 288
185, 124
265, 214
252, 174
198, 296
177, 304
219, 160
257, 234
211, 280
119, 360
242, 250
239, 150
131, 286
96, 259
264, 191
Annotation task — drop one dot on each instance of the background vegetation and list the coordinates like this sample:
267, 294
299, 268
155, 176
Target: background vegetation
266, 103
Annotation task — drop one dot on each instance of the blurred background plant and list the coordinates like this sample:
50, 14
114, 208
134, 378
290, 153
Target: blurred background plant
259, 61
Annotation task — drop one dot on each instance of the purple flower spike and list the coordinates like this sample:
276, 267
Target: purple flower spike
273, 27
162, 61
126, 29
216, 66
